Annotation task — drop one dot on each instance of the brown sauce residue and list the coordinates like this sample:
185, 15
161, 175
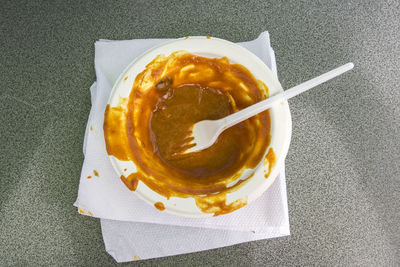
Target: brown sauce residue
217, 204
125, 169
131, 181
115, 132
159, 206
269, 160
89, 177
151, 128
96, 173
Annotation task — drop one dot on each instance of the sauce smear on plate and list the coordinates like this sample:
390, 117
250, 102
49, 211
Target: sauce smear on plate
152, 129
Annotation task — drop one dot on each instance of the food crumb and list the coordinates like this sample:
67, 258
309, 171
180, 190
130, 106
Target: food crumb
125, 169
81, 211
186, 37
89, 177
96, 173
208, 37
91, 127
136, 258
126, 78
90, 214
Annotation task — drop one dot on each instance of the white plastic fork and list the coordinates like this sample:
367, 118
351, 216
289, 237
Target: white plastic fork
206, 132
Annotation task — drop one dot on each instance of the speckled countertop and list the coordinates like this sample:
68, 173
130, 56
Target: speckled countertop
343, 166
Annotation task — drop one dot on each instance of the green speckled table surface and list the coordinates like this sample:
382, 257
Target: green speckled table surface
343, 166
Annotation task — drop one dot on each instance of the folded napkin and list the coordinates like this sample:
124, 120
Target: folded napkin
131, 228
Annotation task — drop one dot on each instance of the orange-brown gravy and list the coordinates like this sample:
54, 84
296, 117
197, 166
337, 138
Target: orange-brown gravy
171, 121
131, 181
269, 160
217, 204
151, 128
159, 206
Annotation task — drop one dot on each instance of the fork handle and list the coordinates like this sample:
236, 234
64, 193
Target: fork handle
261, 106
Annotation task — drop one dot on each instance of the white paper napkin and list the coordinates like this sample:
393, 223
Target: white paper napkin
132, 228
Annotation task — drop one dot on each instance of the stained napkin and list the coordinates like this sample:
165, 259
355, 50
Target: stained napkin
135, 230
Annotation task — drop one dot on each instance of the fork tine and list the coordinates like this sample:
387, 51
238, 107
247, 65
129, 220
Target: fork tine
188, 139
183, 149
186, 144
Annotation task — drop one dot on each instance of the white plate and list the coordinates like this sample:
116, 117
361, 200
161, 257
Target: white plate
281, 125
